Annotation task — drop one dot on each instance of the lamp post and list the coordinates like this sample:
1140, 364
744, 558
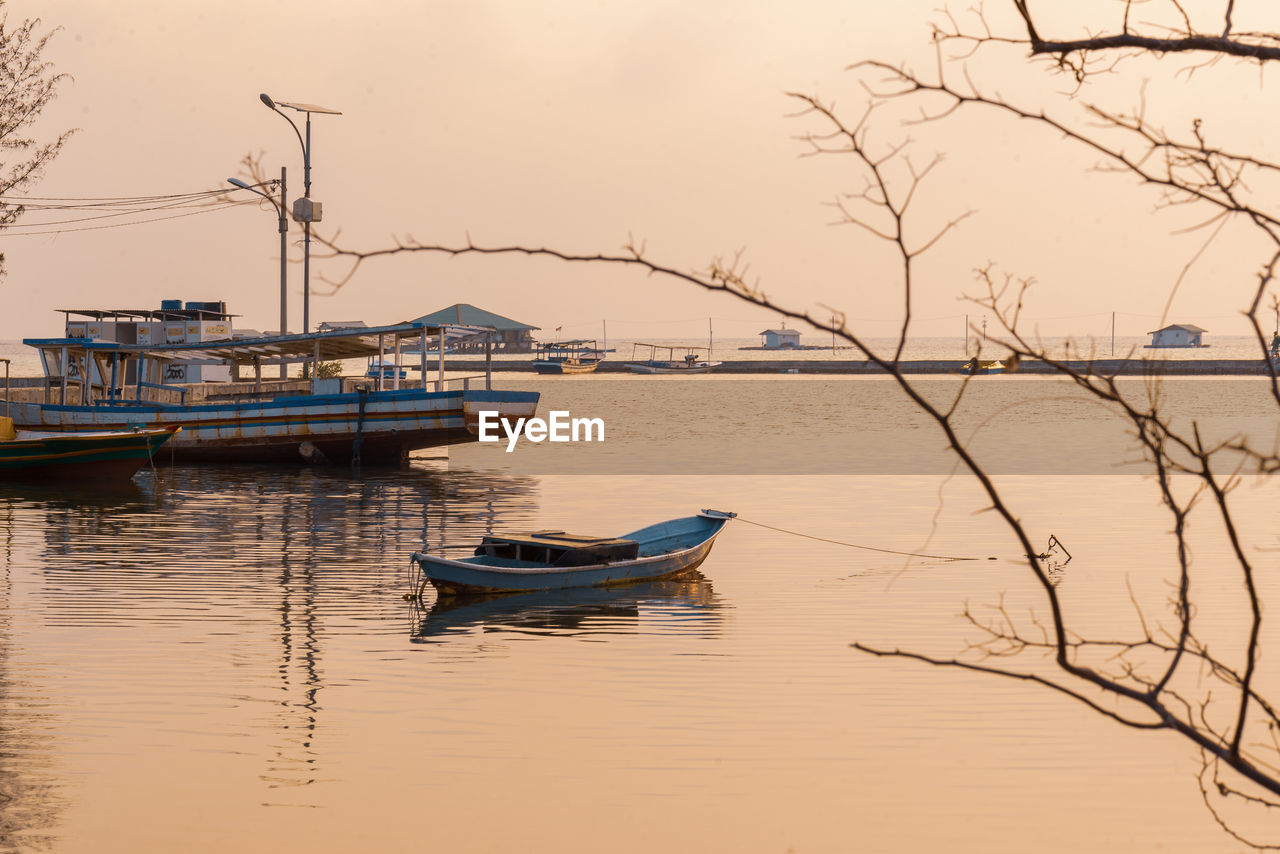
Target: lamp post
304, 210
281, 206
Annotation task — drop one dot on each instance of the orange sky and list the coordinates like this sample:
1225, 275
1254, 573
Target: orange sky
573, 124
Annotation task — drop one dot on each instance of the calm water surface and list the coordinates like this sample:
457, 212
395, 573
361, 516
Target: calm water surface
217, 659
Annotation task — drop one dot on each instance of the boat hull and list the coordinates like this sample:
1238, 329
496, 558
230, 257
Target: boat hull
692, 539
375, 428
550, 366
81, 458
646, 368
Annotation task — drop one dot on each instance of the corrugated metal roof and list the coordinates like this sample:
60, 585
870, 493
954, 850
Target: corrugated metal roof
1189, 327
469, 315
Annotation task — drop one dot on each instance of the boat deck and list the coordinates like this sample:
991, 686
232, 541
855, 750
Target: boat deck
555, 548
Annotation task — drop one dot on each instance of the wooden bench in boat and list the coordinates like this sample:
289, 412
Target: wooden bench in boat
556, 548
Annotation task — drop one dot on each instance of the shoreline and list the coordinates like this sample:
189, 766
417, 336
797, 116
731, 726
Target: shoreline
1116, 367
848, 367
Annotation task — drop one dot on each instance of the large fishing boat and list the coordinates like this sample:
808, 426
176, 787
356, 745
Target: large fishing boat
95, 385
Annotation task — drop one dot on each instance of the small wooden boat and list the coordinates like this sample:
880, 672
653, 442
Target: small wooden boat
554, 560
568, 357
671, 360
982, 366
84, 457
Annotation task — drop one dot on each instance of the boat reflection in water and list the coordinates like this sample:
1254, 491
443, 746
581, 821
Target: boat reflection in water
685, 606
267, 566
86, 495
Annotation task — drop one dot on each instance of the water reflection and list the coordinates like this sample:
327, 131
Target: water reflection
687, 606
276, 559
31, 802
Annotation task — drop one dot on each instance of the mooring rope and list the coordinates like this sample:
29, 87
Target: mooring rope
856, 545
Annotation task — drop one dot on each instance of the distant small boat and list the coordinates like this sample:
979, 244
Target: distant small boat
388, 370
554, 560
83, 457
568, 357
690, 360
983, 366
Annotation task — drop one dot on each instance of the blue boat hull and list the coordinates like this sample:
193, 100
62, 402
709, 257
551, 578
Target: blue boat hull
383, 427
83, 458
668, 549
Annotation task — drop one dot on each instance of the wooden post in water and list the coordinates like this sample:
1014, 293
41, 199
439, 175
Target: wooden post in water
1113, 334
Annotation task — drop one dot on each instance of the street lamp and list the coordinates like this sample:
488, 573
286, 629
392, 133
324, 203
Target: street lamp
304, 210
281, 206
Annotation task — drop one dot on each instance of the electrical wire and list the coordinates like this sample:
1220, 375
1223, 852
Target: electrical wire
94, 201
126, 212
112, 207
6, 232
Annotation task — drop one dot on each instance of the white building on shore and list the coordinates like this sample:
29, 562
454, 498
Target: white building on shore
1177, 335
781, 339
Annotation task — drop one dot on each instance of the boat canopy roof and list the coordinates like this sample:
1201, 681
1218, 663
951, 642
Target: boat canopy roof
687, 348
327, 346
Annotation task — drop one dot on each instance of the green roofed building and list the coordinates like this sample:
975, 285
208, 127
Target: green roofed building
512, 335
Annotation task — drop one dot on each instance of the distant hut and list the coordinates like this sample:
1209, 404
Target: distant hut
781, 339
512, 335
1177, 335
